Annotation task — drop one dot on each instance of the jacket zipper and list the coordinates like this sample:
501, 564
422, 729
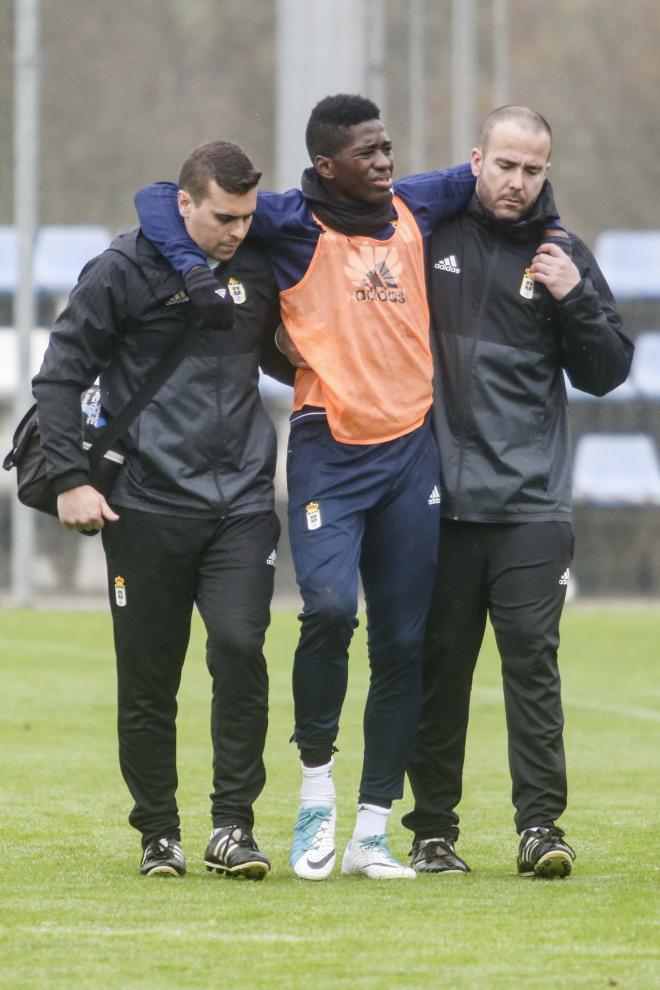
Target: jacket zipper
474, 340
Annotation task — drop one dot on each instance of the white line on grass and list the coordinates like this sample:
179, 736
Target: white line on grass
15, 646
211, 933
623, 711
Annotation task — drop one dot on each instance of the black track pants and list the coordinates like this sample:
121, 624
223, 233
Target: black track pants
159, 567
517, 575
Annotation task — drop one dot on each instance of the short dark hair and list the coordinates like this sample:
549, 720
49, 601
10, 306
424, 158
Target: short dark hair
522, 116
220, 160
327, 127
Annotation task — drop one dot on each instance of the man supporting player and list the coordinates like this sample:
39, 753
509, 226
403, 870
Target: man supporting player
190, 520
515, 303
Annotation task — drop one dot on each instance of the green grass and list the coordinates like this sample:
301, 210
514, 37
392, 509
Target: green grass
75, 913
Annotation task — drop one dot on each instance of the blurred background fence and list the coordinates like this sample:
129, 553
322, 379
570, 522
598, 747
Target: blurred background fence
123, 92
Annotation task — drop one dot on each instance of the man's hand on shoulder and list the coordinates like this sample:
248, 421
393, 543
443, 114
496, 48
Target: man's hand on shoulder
553, 268
84, 509
210, 297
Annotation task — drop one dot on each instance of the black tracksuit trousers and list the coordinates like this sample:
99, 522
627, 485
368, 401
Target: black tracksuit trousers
159, 567
517, 575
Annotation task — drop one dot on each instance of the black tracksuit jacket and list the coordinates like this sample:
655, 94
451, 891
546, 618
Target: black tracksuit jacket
204, 446
500, 409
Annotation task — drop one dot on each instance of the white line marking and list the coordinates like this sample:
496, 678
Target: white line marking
623, 711
211, 932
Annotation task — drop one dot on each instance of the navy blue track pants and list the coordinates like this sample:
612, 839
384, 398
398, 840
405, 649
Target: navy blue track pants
371, 510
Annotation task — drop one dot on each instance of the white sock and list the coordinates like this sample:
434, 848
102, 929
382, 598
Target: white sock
317, 786
371, 820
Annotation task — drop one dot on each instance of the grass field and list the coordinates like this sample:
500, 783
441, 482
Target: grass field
76, 914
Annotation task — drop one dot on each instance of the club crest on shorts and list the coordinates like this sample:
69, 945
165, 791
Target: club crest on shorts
120, 591
527, 285
313, 513
237, 290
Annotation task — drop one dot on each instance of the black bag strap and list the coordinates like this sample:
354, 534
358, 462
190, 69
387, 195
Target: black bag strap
157, 377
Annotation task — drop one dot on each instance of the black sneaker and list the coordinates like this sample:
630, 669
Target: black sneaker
163, 857
436, 856
232, 850
543, 853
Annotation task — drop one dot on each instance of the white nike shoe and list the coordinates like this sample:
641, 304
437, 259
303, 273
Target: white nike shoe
313, 850
372, 857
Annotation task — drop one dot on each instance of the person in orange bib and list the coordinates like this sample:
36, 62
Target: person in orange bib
347, 251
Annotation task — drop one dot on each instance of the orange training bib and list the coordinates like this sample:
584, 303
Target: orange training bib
360, 319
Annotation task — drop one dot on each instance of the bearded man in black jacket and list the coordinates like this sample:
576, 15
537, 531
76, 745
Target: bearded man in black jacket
516, 301
190, 519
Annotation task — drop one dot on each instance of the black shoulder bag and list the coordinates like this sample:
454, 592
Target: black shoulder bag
34, 487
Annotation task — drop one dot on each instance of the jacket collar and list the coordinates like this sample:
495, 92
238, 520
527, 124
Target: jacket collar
541, 215
155, 270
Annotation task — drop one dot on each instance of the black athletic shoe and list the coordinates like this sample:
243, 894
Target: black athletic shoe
163, 858
436, 856
232, 850
543, 853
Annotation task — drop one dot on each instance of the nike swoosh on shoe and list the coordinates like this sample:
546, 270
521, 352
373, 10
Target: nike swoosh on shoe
320, 863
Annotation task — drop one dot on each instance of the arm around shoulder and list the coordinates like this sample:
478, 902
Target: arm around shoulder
437, 195
163, 225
